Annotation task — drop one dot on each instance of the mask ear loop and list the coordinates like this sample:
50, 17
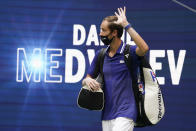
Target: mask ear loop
112, 36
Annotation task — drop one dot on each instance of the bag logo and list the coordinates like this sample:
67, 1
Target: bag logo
153, 76
141, 88
160, 115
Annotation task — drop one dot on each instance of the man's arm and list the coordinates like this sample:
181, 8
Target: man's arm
91, 74
90, 82
142, 47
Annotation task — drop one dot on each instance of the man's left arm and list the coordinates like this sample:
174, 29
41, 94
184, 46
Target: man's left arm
142, 47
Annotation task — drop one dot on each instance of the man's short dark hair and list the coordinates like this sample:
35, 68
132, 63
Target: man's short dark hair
113, 26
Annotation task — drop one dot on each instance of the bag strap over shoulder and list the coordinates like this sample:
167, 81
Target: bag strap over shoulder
127, 56
101, 59
99, 67
99, 63
128, 61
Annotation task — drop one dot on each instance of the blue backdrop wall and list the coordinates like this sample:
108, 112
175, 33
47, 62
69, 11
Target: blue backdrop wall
47, 46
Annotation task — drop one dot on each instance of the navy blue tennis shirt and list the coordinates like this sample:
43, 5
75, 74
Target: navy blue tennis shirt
119, 97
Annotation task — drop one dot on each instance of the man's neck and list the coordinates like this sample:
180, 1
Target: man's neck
115, 45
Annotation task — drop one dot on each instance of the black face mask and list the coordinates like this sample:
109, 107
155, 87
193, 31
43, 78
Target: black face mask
106, 40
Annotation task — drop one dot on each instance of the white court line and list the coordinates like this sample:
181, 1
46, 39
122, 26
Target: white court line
185, 6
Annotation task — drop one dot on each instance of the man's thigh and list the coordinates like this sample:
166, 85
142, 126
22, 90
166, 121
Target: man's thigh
107, 125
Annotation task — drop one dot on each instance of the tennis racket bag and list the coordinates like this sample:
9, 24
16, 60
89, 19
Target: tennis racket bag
148, 96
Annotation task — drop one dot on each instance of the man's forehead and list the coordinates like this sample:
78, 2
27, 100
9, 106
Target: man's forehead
104, 24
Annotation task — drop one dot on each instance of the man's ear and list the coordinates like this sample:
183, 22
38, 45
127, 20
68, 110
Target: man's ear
115, 33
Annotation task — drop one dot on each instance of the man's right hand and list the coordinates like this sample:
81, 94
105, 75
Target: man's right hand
92, 83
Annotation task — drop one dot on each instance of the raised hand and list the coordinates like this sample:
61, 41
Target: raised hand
122, 19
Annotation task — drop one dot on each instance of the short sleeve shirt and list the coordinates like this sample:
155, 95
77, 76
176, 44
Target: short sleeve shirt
119, 96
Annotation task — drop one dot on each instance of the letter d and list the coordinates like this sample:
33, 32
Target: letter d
76, 29
70, 54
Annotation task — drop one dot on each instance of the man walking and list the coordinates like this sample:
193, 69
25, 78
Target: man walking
120, 110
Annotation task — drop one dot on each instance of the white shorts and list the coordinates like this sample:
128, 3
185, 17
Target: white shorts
118, 124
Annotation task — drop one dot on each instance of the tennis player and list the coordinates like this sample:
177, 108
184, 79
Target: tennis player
119, 111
